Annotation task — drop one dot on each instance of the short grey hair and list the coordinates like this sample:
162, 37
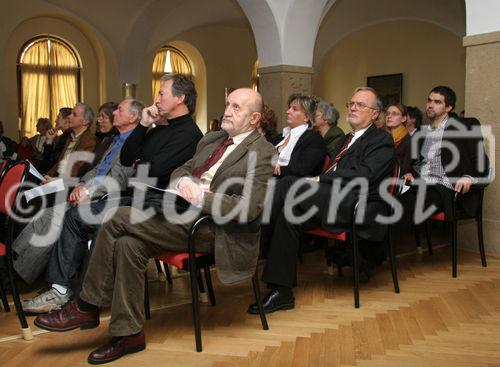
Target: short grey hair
379, 105
329, 112
88, 113
135, 107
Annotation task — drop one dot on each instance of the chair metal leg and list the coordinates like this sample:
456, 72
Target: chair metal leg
428, 236
479, 221
454, 248
193, 276
355, 267
147, 308
168, 274
25, 328
161, 275
210, 288
417, 236
3, 296
392, 259
258, 299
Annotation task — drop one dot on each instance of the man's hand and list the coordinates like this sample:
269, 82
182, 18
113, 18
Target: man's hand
408, 177
277, 170
79, 196
150, 115
190, 191
463, 185
46, 179
50, 135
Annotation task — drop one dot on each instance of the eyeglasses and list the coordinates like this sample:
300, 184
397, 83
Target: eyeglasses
359, 105
393, 113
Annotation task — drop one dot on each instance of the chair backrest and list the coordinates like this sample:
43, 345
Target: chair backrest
10, 185
396, 185
326, 162
3, 167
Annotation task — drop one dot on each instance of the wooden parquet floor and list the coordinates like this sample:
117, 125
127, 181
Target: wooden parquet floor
435, 321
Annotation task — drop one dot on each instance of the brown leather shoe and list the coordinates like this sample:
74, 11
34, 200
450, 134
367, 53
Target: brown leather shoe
117, 347
68, 318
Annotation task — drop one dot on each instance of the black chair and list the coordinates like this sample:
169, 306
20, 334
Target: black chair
10, 187
195, 259
456, 216
350, 236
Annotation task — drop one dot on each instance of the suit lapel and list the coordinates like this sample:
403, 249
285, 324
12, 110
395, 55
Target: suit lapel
240, 151
355, 146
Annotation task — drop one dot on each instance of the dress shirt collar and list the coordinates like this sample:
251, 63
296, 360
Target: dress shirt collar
296, 131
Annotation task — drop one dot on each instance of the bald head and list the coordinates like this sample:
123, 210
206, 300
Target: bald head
243, 111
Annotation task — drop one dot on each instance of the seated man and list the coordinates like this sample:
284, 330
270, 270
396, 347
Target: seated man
115, 275
66, 255
81, 140
450, 158
366, 155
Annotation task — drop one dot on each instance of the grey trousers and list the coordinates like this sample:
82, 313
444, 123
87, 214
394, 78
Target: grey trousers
115, 274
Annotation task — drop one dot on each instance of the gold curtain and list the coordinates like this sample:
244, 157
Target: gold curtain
179, 64
35, 87
158, 70
63, 78
177, 61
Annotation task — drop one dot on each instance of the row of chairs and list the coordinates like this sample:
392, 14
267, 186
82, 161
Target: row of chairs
14, 173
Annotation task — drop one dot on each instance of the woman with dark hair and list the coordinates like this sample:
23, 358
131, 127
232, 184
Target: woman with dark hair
104, 126
395, 118
105, 131
301, 150
325, 121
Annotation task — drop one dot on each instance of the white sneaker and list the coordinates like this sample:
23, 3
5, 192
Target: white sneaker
47, 301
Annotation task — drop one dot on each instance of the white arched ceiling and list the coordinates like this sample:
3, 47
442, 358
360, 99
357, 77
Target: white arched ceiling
284, 30
482, 16
345, 17
135, 27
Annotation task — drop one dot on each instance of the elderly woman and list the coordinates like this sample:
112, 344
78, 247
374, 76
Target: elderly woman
325, 121
395, 118
301, 150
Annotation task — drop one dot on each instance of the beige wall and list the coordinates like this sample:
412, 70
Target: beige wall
427, 55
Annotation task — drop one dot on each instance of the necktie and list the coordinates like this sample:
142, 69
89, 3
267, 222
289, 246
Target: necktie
214, 157
340, 154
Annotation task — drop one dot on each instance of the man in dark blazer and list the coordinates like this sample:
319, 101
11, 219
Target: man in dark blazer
450, 157
227, 177
366, 154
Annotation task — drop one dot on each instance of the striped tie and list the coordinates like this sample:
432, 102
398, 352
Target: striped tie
340, 154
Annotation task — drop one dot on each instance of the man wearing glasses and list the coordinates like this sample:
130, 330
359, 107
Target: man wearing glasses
366, 156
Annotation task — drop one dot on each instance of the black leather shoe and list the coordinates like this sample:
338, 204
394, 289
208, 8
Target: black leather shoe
274, 301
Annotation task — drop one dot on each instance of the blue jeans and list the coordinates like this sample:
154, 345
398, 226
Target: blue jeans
70, 250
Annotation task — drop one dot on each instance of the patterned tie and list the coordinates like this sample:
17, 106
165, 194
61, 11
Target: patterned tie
214, 157
340, 154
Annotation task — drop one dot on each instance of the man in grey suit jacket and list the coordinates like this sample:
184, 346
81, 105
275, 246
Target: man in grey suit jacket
227, 177
65, 252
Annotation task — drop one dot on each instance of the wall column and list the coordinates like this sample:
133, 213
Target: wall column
277, 82
481, 100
